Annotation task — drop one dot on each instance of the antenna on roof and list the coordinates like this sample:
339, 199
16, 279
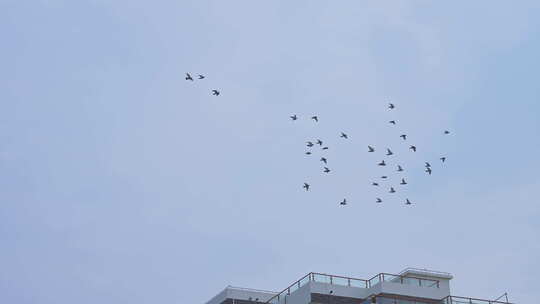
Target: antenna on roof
505, 295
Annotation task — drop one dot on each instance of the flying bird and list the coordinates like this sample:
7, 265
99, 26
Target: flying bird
392, 190
308, 153
325, 148
326, 170
371, 149
306, 186
399, 168
343, 135
379, 200
443, 159
201, 76
391, 106
428, 170
403, 182
404, 136
375, 184
309, 144
343, 202
413, 148
389, 152
408, 202
323, 160
446, 132
315, 118
427, 165
215, 92
188, 77
319, 142
392, 122
382, 163
384, 177
294, 117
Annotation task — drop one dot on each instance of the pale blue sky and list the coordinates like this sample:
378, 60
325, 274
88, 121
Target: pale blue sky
122, 183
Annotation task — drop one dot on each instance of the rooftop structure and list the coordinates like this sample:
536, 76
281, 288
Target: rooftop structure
410, 286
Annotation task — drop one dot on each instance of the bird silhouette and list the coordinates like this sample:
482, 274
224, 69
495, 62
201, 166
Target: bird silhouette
389, 152
306, 186
309, 144
428, 165
408, 202
201, 76
392, 122
343, 202
413, 148
294, 117
391, 106
343, 135
403, 182
428, 170
215, 92
379, 200
375, 184
325, 148
326, 170
399, 168
404, 136
446, 132
319, 142
315, 118
308, 153
371, 149
392, 190
443, 159
384, 177
382, 163
323, 160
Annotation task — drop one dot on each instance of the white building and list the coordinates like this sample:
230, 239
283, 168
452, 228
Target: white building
411, 286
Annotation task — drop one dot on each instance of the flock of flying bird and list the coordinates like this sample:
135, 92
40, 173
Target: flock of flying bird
200, 77
371, 149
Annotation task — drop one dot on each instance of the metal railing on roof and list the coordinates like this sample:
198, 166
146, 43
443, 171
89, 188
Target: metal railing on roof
252, 289
465, 300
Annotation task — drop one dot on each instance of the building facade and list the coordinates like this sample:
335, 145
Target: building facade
411, 286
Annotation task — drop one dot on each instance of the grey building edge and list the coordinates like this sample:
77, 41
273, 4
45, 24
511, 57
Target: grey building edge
410, 286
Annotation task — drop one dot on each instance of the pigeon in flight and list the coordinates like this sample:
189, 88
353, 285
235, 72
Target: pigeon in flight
428, 170
375, 184
446, 132
201, 76
379, 200
325, 148
392, 122
309, 144
404, 136
371, 149
399, 168
391, 106
315, 118
427, 165
306, 186
443, 159
308, 153
408, 202
389, 152
343, 202
188, 77
384, 177
413, 148
343, 135
326, 170
294, 117
323, 160
392, 190
403, 182
382, 163
319, 142
215, 92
